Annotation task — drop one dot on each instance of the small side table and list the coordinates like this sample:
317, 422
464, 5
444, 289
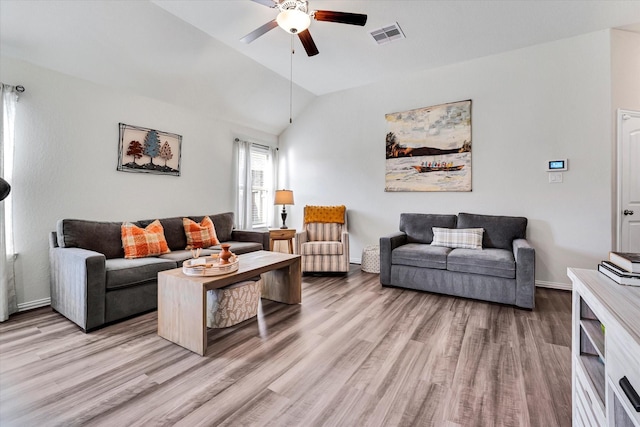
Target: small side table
282, 234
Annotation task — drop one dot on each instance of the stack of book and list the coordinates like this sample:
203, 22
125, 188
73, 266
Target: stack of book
622, 267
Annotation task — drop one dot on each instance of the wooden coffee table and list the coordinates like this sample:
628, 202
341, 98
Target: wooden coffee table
182, 299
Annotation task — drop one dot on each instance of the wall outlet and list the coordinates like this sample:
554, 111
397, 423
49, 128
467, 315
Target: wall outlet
555, 177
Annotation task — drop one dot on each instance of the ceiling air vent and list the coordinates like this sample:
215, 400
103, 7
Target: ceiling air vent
387, 34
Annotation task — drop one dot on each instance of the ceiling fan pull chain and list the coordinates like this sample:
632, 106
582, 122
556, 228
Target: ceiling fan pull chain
291, 84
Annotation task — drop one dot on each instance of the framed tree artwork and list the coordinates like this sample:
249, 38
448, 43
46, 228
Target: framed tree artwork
148, 151
429, 149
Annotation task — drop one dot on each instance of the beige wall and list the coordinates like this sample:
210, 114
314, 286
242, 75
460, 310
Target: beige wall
625, 70
625, 95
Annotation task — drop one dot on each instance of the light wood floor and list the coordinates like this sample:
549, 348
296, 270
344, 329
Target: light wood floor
353, 354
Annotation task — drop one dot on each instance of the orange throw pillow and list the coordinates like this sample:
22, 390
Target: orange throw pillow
143, 242
200, 235
324, 214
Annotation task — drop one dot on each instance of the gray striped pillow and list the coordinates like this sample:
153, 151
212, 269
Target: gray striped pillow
466, 238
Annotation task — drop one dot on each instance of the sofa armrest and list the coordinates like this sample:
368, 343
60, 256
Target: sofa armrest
387, 245
301, 237
261, 237
53, 240
525, 256
78, 285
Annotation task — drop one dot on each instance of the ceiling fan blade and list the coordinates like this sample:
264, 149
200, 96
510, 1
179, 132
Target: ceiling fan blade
259, 31
308, 43
268, 3
340, 17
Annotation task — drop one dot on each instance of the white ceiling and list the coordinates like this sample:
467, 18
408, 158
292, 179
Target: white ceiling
438, 33
189, 52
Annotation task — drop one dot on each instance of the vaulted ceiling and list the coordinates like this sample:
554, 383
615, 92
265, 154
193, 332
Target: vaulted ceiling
189, 53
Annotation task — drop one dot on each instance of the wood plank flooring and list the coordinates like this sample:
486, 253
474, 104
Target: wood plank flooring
352, 354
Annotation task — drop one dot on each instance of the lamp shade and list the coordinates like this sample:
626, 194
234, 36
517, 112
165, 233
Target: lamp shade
283, 197
293, 21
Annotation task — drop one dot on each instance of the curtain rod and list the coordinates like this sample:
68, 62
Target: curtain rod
256, 144
20, 88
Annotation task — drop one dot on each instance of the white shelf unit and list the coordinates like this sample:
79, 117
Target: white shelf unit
605, 351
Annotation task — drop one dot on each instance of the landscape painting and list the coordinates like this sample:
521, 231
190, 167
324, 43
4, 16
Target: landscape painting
429, 149
148, 150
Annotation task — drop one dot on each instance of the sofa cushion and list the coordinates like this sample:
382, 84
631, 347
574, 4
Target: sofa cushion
239, 248
421, 255
321, 248
418, 227
200, 235
102, 237
499, 231
131, 272
488, 262
468, 238
141, 242
173, 231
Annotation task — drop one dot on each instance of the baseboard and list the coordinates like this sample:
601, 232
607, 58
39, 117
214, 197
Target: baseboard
554, 285
30, 305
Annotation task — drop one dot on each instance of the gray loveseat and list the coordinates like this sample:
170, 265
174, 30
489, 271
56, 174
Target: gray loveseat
502, 271
92, 284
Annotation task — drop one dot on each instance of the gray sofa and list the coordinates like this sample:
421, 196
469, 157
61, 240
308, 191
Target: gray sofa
92, 284
502, 271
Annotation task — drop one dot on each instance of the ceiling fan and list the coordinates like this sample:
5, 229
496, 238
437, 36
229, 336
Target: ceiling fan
295, 18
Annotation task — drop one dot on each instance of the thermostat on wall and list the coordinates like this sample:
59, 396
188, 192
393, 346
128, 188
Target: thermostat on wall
557, 165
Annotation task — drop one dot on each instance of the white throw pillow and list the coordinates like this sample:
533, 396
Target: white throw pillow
467, 238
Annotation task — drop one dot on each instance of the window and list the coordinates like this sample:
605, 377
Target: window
255, 178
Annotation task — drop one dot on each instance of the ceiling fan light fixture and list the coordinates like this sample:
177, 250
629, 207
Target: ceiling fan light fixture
293, 21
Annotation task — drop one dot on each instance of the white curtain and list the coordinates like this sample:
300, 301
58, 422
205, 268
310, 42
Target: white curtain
242, 161
8, 302
273, 213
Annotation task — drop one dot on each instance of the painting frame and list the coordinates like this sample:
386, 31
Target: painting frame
428, 149
165, 146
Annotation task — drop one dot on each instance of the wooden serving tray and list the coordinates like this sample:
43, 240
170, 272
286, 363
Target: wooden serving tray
209, 266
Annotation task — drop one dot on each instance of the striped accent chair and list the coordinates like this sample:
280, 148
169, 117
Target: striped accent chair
324, 247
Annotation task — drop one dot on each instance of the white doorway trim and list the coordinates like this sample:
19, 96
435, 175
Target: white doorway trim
620, 118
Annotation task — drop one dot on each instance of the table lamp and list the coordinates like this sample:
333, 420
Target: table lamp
283, 197
5, 189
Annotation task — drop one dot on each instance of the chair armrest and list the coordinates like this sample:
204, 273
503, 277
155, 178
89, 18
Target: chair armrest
345, 249
525, 256
261, 237
78, 285
301, 237
387, 245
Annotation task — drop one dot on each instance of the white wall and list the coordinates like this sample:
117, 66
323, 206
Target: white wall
66, 156
544, 102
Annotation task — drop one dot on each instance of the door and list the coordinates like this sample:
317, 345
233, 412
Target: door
628, 181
